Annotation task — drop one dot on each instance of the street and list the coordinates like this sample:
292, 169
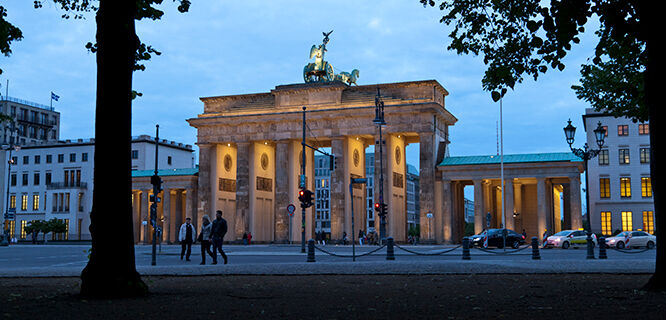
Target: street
39, 259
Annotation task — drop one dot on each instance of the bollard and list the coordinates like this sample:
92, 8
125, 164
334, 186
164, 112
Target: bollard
465, 251
602, 248
535, 249
311, 251
389, 249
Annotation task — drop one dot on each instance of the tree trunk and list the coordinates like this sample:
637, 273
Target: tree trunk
655, 70
111, 271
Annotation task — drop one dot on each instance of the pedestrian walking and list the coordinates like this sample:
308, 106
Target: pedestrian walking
249, 238
204, 238
186, 236
218, 230
245, 238
344, 238
524, 234
323, 238
361, 235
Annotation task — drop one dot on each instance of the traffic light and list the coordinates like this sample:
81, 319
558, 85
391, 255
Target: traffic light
305, 197
378, 207
333, 162
383, 209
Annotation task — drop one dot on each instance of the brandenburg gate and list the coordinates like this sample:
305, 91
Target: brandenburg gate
250, 152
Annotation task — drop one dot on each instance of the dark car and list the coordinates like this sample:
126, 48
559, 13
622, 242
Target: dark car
495, 238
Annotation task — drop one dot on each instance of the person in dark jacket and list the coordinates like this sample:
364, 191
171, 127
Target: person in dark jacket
218, 231
205, 236
187, 236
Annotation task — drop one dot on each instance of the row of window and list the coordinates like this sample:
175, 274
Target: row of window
37, 159
624, 156
61, 202
72, 178
627, 223
625, 187
623, 129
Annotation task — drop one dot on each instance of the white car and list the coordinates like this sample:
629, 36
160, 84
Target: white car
569, 238
632, 239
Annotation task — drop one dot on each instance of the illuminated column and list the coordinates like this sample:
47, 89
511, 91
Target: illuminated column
242, 188
542, 207
145, 209
284, 180
427, 182
509, 203
575, 203
447, 210
478, 206
166, 213
338, 190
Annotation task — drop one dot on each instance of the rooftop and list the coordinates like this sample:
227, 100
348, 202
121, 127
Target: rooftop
166, 172
510, 158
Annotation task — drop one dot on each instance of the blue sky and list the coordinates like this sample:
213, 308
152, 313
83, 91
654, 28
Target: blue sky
224, 47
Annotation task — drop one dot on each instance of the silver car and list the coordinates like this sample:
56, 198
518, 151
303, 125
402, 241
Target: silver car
632, 239
569, 238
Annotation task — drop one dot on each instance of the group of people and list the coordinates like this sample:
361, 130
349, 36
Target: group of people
212, 233
320, 237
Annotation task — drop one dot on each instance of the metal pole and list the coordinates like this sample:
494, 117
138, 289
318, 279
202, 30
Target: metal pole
502, 177
153, 211
351, 194
303, 186
590, 248
5, 241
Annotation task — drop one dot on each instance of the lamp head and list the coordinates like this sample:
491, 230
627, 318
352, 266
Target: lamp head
569, 133
600, 134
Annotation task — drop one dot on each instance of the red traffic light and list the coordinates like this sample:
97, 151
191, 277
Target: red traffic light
378, 207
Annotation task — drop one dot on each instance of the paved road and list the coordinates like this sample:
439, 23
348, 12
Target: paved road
28, 260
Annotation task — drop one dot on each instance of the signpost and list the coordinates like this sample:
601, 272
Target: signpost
290, 208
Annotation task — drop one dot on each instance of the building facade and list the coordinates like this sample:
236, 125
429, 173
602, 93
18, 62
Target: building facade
55, 180
620, 187
33, 122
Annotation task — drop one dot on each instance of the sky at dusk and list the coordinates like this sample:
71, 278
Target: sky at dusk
225, 48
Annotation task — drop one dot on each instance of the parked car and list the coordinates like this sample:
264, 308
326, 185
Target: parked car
495, 238
569, 238
632, 239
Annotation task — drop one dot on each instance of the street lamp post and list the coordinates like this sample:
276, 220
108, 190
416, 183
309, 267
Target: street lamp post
379, 121
586, 154
12, 146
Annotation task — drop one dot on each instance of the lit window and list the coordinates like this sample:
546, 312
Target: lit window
24, 224
35, 202
645, 155
625, 187
606, 227
623, 130
646, 187
12, 202
626, 221
604, 188
648, 221
24, 202
643, 128
624, 156
603, 157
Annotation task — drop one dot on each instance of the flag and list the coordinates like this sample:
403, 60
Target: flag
54, 96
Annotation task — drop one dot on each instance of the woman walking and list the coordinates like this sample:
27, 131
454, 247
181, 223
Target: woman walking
204, 237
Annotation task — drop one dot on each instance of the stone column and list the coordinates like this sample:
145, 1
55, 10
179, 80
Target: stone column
542, 207
478, 206
166, 212
426, 179
145, 216
205, 197
575, 208
242, 188
447, 211
338, 190
438, 213
282, 182
189, 205
509, 203
518, 204
136, 215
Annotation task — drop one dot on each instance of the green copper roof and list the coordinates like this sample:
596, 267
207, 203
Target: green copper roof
510, 158
165, 172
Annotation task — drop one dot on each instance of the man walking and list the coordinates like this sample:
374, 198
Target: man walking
186, 236
218, 232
